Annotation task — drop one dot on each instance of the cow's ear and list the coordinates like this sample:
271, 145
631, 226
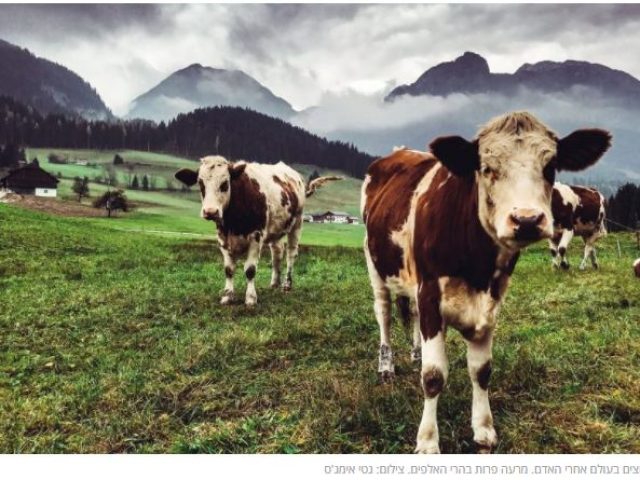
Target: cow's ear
187, 176
460, 156
236, 169
582, 148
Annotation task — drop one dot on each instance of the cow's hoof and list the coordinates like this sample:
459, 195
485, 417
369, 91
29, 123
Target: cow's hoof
596, 266
482, 449
275, 285
226, 300
251, 302
427, 448
416, 355
485, 439
286, 287
564, 266
387, 377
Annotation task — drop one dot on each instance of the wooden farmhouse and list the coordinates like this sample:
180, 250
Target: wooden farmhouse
30, 180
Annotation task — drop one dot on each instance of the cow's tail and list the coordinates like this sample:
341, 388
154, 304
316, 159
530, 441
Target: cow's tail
316, 183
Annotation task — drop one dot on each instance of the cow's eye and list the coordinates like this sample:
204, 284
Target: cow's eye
486, 171
224, 186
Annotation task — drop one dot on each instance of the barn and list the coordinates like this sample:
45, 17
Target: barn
331, 217
30, 180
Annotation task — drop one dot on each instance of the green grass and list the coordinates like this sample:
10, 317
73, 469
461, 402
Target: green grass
114, 341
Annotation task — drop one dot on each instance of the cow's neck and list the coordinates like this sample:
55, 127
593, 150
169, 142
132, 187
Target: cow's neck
246, 211
458, 244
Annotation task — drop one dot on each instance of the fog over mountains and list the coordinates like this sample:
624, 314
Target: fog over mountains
457, 97
196, 86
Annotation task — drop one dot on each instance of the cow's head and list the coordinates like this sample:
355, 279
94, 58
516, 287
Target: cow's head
214, 179
514, 160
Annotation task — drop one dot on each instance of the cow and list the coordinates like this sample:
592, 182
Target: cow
443, 234
252, 205
576, 211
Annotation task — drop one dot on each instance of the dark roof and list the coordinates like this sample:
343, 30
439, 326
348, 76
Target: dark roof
28, 177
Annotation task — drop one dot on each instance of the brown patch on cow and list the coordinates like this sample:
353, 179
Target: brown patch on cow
393, 180
429, 296
500, 282
257, 236
432, 382
289, 197
484, 375
449, 239
247, 209
588, 210
250, 272
562, 212
228, 272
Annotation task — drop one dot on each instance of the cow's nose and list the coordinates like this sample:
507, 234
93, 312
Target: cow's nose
528, 223
211, 214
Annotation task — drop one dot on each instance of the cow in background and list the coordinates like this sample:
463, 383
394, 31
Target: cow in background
443, 233
576, 211
252, 204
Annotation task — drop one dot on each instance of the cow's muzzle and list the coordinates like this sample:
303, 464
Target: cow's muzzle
529, 225
212, 215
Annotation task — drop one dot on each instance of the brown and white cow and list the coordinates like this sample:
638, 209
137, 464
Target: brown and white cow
443, 233
576, 211
252, 204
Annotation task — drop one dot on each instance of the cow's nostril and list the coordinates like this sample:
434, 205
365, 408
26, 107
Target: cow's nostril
527, 220
211, 215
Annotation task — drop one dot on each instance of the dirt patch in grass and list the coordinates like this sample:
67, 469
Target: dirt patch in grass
53, 205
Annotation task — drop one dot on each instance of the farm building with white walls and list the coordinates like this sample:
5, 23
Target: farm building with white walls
331, 217
30, 180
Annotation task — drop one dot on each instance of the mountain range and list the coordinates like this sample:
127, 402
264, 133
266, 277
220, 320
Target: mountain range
470, 74
453, 97
47, 86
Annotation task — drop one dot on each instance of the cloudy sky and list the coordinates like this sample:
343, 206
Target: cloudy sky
306, 53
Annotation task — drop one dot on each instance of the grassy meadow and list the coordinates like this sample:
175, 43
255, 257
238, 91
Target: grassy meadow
174, 212
113, 341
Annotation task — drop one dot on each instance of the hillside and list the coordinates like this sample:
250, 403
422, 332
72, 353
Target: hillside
196, 87
47, 86
233, 132
166, 207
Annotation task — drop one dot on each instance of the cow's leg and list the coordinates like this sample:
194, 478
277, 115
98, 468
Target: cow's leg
277, 251
382, 310
479, 365
589, 252
293, 238
434, 365
553, 249
565, 240
250, 268
409, 313
416, 350
229, 270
